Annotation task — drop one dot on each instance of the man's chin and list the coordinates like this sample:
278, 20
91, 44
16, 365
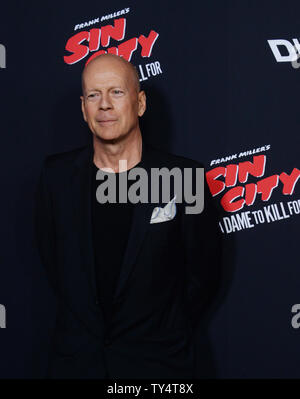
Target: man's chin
108, 138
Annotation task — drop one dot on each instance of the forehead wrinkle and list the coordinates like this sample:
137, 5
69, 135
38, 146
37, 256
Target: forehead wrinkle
104, 78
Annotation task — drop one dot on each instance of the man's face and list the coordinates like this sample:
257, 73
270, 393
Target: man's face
111, 103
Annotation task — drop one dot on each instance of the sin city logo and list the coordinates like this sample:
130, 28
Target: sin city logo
235, 198
97, 36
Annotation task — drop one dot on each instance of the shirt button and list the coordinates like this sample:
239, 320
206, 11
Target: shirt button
96, 302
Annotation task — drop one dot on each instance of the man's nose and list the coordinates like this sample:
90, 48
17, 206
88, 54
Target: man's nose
105, 102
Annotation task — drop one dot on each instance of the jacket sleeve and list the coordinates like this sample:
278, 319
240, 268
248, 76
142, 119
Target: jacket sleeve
45, 229
202, 251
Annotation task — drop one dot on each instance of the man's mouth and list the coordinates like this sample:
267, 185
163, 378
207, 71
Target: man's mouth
107, 121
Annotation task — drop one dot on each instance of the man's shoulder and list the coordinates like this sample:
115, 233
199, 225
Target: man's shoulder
59, 159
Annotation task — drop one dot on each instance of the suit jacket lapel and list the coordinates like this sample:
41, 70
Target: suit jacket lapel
140, 223
82, 197
140, 220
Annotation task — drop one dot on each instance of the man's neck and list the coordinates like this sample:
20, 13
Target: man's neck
107, 155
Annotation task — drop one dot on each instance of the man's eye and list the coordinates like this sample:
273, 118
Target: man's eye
118, 92
92, 95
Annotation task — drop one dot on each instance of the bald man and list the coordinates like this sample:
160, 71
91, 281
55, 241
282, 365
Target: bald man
113, 83
131, 287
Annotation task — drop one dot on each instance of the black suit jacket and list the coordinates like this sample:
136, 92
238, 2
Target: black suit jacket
168, 277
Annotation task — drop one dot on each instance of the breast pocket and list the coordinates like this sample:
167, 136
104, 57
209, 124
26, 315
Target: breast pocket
166, 231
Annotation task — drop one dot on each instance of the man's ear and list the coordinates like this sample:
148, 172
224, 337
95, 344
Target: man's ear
82, 107
142, 102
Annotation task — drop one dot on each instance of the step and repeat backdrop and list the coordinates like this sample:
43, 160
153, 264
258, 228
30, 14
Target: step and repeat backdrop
222, 80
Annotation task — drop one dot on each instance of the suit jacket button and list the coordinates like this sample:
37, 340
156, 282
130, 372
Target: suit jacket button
96, 302
107, 341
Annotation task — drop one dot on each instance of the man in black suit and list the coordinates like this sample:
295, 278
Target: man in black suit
130, 288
